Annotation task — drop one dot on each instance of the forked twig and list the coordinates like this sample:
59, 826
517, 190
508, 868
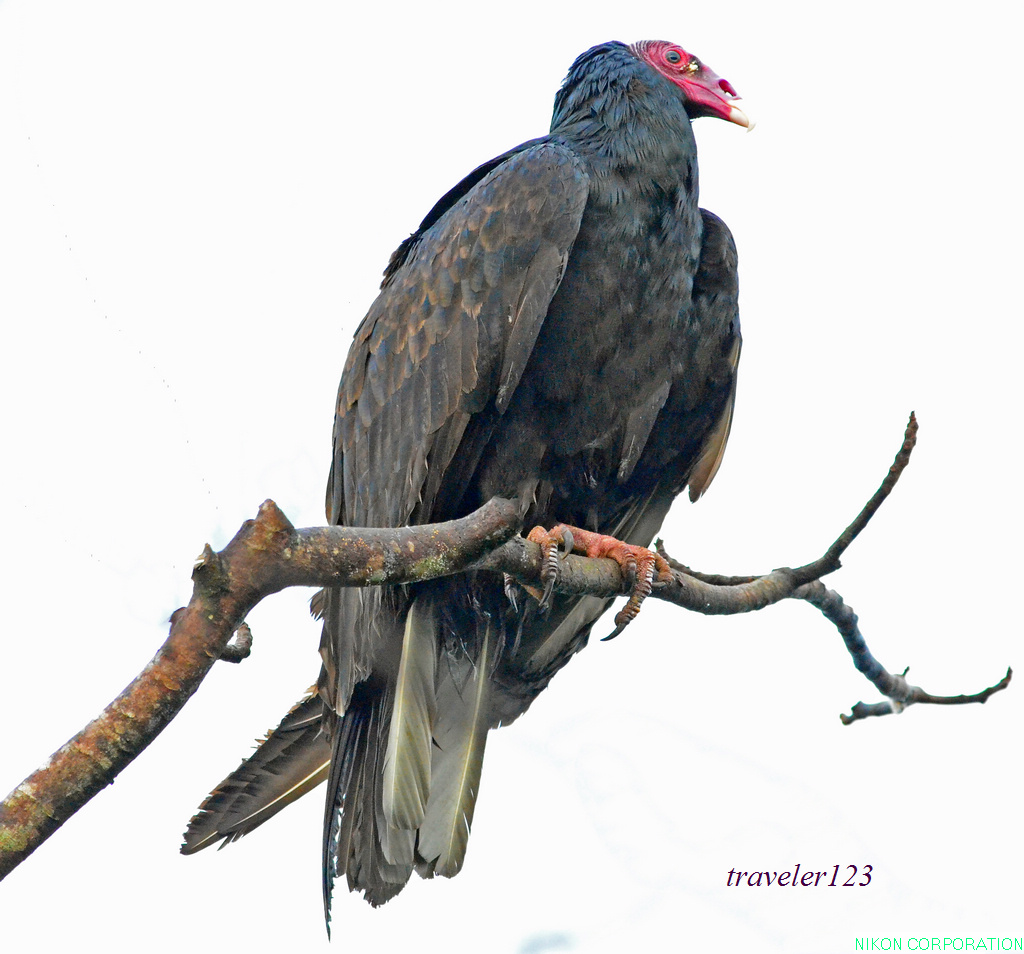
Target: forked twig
805, 584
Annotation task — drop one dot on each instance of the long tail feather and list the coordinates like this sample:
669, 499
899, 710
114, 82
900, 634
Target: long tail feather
460, 734
381, 878
293, 759
340, 815
353, 831
407, 759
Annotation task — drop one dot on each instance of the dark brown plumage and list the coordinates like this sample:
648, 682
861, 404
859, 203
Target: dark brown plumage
563, 329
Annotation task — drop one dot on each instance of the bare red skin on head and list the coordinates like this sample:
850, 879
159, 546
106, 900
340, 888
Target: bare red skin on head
707, 94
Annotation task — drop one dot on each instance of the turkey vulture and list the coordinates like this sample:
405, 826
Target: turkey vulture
562, 329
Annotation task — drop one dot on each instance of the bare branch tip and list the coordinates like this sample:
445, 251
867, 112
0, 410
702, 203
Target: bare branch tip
1004, 682
208, 573
272, 517
864, 710
910, 434
206, 561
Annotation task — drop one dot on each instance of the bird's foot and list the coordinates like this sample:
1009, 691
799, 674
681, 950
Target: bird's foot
642, 567
512, 587
550, 560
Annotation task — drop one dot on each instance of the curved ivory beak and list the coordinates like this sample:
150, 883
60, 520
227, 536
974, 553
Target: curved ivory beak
710, 95
736, 115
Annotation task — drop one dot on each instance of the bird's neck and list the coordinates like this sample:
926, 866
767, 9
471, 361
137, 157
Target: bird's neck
623, 126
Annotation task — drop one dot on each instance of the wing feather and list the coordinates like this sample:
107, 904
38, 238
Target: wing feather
716, 306
710, 460
456, 320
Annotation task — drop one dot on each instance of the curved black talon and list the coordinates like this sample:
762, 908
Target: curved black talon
510, 591
553, 564
641, 590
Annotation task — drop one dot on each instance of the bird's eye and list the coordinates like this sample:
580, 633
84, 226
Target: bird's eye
674, 57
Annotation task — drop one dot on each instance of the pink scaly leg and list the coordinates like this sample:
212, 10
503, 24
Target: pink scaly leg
638, 564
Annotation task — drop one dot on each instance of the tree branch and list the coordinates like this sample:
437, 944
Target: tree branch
739, 594
268, 554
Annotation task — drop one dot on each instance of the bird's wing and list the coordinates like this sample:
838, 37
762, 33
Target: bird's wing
716, 307
688, 439
451, 329
685, 446
449, 335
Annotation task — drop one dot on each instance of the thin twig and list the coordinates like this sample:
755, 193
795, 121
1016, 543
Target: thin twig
828, 562
751, 592
863, 710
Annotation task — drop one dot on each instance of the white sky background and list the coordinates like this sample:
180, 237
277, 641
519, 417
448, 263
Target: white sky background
196, 203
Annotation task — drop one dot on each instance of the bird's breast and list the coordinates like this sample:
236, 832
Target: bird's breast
606, 349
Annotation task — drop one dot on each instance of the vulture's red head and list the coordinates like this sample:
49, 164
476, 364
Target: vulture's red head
707, 94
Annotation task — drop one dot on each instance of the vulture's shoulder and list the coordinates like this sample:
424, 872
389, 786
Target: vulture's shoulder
454, 194
462, 302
